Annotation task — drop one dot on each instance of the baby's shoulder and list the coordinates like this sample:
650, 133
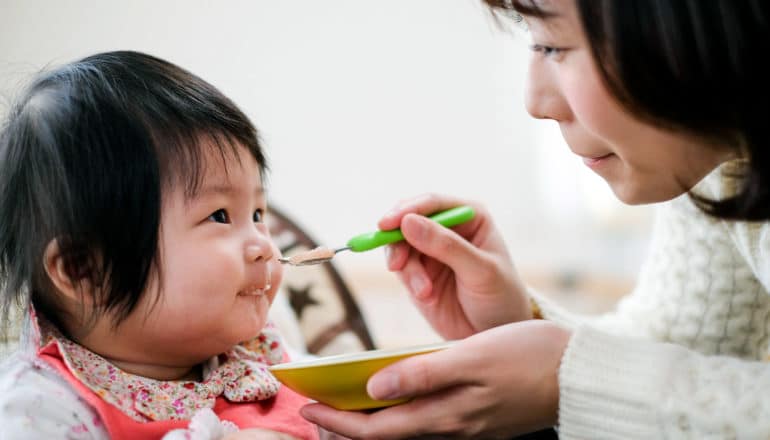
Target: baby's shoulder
20, 372
35, 399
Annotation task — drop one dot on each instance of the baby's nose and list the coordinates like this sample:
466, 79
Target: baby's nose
256, 252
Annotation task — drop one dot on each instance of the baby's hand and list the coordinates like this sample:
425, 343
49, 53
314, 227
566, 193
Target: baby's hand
258, 434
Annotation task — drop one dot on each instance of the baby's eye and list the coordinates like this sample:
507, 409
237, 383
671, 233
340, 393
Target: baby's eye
220, 216
258, 216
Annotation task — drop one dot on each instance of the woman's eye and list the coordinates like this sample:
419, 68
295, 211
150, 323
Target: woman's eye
258, 216
547, 51
220, 216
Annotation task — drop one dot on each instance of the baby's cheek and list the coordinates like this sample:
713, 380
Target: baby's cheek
276, 276
276, 268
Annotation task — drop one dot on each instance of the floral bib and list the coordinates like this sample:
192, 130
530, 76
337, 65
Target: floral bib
238, 375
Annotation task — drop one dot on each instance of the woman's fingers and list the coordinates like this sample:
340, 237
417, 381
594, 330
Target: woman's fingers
442, 244
425, 204
414, 276
348, 424
432, 374
433, 416
419, 375
429, 418
495, 384
396, 255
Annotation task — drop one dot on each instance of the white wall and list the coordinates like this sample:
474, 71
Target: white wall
361, 103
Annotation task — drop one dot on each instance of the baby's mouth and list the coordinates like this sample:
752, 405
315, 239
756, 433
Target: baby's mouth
255, 291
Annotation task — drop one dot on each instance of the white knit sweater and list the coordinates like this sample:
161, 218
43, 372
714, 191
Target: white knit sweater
683, 355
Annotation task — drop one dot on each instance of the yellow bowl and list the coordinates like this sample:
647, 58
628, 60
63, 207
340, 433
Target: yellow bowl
340, 381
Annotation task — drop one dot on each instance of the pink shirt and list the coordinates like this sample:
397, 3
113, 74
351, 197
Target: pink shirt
237, 388
279, 413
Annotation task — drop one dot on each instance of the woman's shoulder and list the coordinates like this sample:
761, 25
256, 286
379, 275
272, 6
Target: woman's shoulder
751, 239
722, 182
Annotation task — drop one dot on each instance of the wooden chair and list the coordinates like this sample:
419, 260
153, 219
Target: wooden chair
322, 302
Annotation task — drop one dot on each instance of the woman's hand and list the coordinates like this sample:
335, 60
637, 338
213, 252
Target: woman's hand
496, 384
461, 279
258, 434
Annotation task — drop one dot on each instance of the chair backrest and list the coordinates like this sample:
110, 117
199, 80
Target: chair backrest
328, 314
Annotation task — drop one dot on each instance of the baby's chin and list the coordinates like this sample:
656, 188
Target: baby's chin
238, 332
248, 328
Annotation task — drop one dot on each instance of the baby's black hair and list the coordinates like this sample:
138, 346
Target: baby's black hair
84, 155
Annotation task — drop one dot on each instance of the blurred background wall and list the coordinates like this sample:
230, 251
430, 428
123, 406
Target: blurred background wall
361, 103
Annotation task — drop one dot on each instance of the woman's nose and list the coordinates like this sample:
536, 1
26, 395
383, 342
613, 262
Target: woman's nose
543, 98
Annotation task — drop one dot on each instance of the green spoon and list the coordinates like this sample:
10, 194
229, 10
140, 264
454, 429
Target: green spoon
375, 239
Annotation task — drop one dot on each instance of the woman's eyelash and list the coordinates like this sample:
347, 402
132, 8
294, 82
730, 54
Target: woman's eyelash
546, 50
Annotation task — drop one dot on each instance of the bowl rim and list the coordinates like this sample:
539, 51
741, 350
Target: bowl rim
361, 356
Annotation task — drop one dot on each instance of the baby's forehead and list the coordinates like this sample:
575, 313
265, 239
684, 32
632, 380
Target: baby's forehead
217, 175
210, 163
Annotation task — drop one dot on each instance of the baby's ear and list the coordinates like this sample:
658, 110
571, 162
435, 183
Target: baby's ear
72, 282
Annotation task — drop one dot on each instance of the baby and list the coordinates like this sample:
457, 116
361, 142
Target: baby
131, 229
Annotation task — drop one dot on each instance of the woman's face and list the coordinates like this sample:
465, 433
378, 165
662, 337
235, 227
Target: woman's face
641, 162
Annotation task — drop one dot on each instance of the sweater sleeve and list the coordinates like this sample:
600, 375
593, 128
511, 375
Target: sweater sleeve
614, 387
682, 356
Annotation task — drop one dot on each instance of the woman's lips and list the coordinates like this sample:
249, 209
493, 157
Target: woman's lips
593, 162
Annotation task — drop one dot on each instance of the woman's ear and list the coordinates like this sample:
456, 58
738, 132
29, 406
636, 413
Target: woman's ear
73, 286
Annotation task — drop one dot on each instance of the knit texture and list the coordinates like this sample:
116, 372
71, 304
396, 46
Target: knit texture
682, 356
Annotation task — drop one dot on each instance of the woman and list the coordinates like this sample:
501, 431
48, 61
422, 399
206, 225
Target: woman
665, 101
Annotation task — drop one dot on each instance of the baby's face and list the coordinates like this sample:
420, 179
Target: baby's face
219, 269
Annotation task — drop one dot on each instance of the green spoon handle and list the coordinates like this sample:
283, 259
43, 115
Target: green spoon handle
371, 240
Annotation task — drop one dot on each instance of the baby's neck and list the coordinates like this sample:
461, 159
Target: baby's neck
143, 366
159, 372
121, 351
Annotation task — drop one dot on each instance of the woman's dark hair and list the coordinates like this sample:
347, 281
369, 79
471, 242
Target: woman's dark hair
84, 156
690, 65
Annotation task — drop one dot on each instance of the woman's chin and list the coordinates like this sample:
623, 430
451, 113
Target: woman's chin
630, 197
644, 194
